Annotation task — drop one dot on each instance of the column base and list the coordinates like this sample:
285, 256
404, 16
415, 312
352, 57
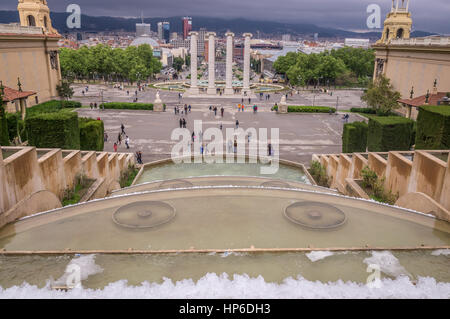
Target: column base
212, 91
228, 91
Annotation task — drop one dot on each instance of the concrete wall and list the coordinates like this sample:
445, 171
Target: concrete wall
426, 176
23, 175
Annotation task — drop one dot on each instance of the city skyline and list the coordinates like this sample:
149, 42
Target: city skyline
346, 14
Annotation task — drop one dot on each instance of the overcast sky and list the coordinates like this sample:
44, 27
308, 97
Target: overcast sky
430, 15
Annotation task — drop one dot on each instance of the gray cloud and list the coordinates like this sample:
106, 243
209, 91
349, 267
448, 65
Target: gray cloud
429, 15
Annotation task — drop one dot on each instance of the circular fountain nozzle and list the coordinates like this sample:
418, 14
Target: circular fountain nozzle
142, 215
315, 215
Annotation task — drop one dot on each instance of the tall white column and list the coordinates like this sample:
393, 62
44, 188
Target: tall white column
246, 88
229, 67
194, 85
211, 62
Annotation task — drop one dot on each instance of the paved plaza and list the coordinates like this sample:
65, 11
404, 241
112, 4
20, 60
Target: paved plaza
301, 135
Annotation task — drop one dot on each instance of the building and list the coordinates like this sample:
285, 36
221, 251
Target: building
180, 43
187, 27
357, 43
173, 36
160, 31
29, 52
201, 41
286, 37
417, 65
166, 31
142, 29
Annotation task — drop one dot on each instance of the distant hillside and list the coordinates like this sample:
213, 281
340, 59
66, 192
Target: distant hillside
99, 24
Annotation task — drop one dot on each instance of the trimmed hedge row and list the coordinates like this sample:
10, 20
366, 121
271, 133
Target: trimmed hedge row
127, 106
363, 110
91, 134
4, 136
433, 127
389, 133
53, 130
354, 138
311, 109
15, 125
52, 107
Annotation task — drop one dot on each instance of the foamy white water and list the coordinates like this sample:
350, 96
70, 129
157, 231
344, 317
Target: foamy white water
84, 264
318, 255
213, 286
388, 263
440, 252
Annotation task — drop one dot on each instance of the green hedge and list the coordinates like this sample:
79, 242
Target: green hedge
389, 133
53, 130
433, 127
15, 125
311, 109
91, 134
363, 110
354, 138
4, 136
52, 106
127, 106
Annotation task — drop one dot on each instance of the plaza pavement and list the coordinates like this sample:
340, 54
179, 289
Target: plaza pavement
301, 135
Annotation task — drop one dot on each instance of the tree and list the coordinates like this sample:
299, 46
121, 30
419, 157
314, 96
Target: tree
65, 92
178, 63
381, 96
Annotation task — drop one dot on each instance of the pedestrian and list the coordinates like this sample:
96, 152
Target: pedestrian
189, 108
115, 147
235, 145
237, 123
201, 149
210, 108
249, 101
249, 136
221, 126
269, 149
242, 101
128, 92
185, 109
181, 123
91, 105
119, 139
215, 110
242, 108
95, 105
193, 137
127, 142
140, 157
184, 122
230, 146
123, 129
105, 137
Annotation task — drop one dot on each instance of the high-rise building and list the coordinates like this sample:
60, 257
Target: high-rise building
142, 29
166, 31
201, 41
187, 27
160, 31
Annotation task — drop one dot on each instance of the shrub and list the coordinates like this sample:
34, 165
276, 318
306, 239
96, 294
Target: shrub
319, 174
52, 106
311, 109
363, 110
354, 138
375, 187
4, 135
389, 133
53, 130
433, 127
127, 106
91, 134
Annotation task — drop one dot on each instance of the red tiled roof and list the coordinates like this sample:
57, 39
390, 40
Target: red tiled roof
420, 100
12, 95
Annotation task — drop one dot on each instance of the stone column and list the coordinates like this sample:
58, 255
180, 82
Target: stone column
246, 87
194, 40
229, 68
211, 62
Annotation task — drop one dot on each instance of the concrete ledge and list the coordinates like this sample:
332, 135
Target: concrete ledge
425, 204
353, 189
